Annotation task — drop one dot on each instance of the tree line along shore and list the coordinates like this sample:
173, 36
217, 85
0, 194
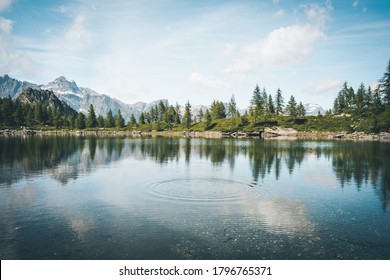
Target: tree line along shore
364, 112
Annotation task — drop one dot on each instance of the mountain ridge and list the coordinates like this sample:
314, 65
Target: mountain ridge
47, 97
80, 98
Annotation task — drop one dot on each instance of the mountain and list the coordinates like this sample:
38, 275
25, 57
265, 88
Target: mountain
12, 87
46, 97
78, 98
313, 109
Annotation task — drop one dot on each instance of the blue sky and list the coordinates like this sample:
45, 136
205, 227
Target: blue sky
198, 50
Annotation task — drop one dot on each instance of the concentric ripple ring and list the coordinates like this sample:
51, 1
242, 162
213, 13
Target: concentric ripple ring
200, 189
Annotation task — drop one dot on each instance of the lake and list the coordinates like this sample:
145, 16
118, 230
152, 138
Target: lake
182, 198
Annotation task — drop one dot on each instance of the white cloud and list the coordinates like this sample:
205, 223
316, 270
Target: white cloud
324, 85
11, 60
5, 4
317, 14
5, 25
78, 31
210, 83
291, 44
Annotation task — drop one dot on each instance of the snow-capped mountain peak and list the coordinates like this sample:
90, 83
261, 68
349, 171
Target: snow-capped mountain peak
62, 85
313, 109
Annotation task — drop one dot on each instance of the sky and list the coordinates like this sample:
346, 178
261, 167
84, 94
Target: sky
198, 51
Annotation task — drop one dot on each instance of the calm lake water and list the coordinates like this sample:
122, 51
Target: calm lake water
170, 198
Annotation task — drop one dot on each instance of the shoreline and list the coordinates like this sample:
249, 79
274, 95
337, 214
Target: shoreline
267, 133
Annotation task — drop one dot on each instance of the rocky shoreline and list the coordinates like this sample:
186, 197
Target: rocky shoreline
267, 133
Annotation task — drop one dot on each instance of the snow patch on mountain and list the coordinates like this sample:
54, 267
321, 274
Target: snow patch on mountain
312, 109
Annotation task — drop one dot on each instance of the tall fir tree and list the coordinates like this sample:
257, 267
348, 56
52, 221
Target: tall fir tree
187, 118
119, 121
384, 86
257, 103
100, 121
132, 122
141, 119
208, 119
271, 106
291, 108
91, 118
232, 107
80, 121
279, 102
217, 110
301, 112
109, 121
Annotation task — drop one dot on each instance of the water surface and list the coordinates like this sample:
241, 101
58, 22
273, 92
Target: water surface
171, 198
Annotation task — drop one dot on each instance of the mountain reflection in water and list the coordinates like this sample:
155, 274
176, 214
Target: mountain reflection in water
176, 198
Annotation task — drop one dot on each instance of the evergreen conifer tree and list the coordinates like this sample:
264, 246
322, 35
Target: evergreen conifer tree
109, 121
187, 118
119, 121
91, 119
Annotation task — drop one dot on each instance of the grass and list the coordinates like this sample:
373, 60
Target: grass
327, 123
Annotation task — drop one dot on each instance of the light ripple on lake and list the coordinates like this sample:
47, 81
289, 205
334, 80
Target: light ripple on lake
170, 198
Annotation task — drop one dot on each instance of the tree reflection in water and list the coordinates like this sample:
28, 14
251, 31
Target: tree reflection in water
64, 158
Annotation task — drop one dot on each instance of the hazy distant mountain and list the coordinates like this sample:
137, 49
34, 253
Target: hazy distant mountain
313, 109
12, 87
47, 97
79, 98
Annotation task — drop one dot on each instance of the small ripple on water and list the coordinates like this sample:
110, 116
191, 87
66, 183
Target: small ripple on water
201, 189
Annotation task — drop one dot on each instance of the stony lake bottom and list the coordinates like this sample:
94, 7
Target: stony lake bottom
182, 198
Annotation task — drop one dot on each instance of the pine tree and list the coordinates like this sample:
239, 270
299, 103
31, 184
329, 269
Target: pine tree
71, 121
154, 115
161, 109
109, 121
232, 107
301, 112
100, 121
336, 107
279, 103
80, 121
257, 104
141, 119
217, 110
291, 108
119, 121
384, 86
208, 119
200, 114
368, 98
169, 117
271, 106
91, 119
377, 105
8, 108
359, 100
187, 118
132, 122
177, 115
30, 119
18, 114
